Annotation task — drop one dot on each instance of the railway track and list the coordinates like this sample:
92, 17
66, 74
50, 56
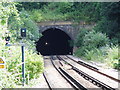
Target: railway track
68, 77
87, 76
93, 68
57, 62
50, 88
58, 82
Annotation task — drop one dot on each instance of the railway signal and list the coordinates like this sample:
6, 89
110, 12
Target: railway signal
23, 32
23, 35
7, 38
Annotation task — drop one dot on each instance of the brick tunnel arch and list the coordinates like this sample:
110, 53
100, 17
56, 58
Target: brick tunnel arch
54, 42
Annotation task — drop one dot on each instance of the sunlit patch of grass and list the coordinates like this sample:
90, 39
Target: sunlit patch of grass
107, 54
113, 57
95, 55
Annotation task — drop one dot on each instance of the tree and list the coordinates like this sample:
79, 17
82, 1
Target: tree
110, 18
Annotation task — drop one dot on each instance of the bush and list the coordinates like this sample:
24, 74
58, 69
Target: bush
36, 15
95, 46
79, 40
107, 54
90, 40
23, 21
95, 40
117, 65
80, 52
47, 13
113, 53
113, 57
95, 55
12, 55
7, 80
34, 64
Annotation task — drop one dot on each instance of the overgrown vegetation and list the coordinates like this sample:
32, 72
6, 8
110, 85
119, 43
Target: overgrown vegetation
101, 43
97, 47
49, 11
104, 15
98, 44
11, 21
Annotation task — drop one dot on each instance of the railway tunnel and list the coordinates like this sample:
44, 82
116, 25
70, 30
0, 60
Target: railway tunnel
54, 42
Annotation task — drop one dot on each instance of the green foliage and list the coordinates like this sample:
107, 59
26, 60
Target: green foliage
117, 65
7, 9
50, 11
106, 54
95, 40
95, 46
104, 14
109, 21
34, 64
36, 15
23, 21
65, 11
110, 10
12, 73
88, 41
61, 7
95, 55
113, 57
87, 11
80, 52
80, 37
31, 5
112, 53
109, 27
6, 79
91, 39
46, 15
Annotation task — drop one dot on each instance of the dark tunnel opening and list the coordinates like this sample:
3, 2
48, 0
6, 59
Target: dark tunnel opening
54, 42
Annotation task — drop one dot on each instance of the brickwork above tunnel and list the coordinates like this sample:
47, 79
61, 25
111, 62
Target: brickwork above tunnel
68, 27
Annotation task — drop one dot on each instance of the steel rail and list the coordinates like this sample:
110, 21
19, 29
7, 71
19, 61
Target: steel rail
94, 69
69, 78
47, 82
84, 64
88, 77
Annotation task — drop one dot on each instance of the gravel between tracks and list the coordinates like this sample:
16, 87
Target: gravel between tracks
53, 76
41, 83
106, 80
75, 75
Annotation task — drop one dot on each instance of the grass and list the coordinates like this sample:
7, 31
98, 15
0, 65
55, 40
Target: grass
107, 55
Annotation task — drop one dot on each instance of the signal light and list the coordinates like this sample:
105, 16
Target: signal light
23, 32
7, 39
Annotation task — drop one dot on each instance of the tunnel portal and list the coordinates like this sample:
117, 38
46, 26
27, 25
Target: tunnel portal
54, 42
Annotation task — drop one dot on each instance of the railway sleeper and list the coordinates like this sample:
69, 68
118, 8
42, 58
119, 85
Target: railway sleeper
87, 65
93, 80
65, 76
84, 64
73, 80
